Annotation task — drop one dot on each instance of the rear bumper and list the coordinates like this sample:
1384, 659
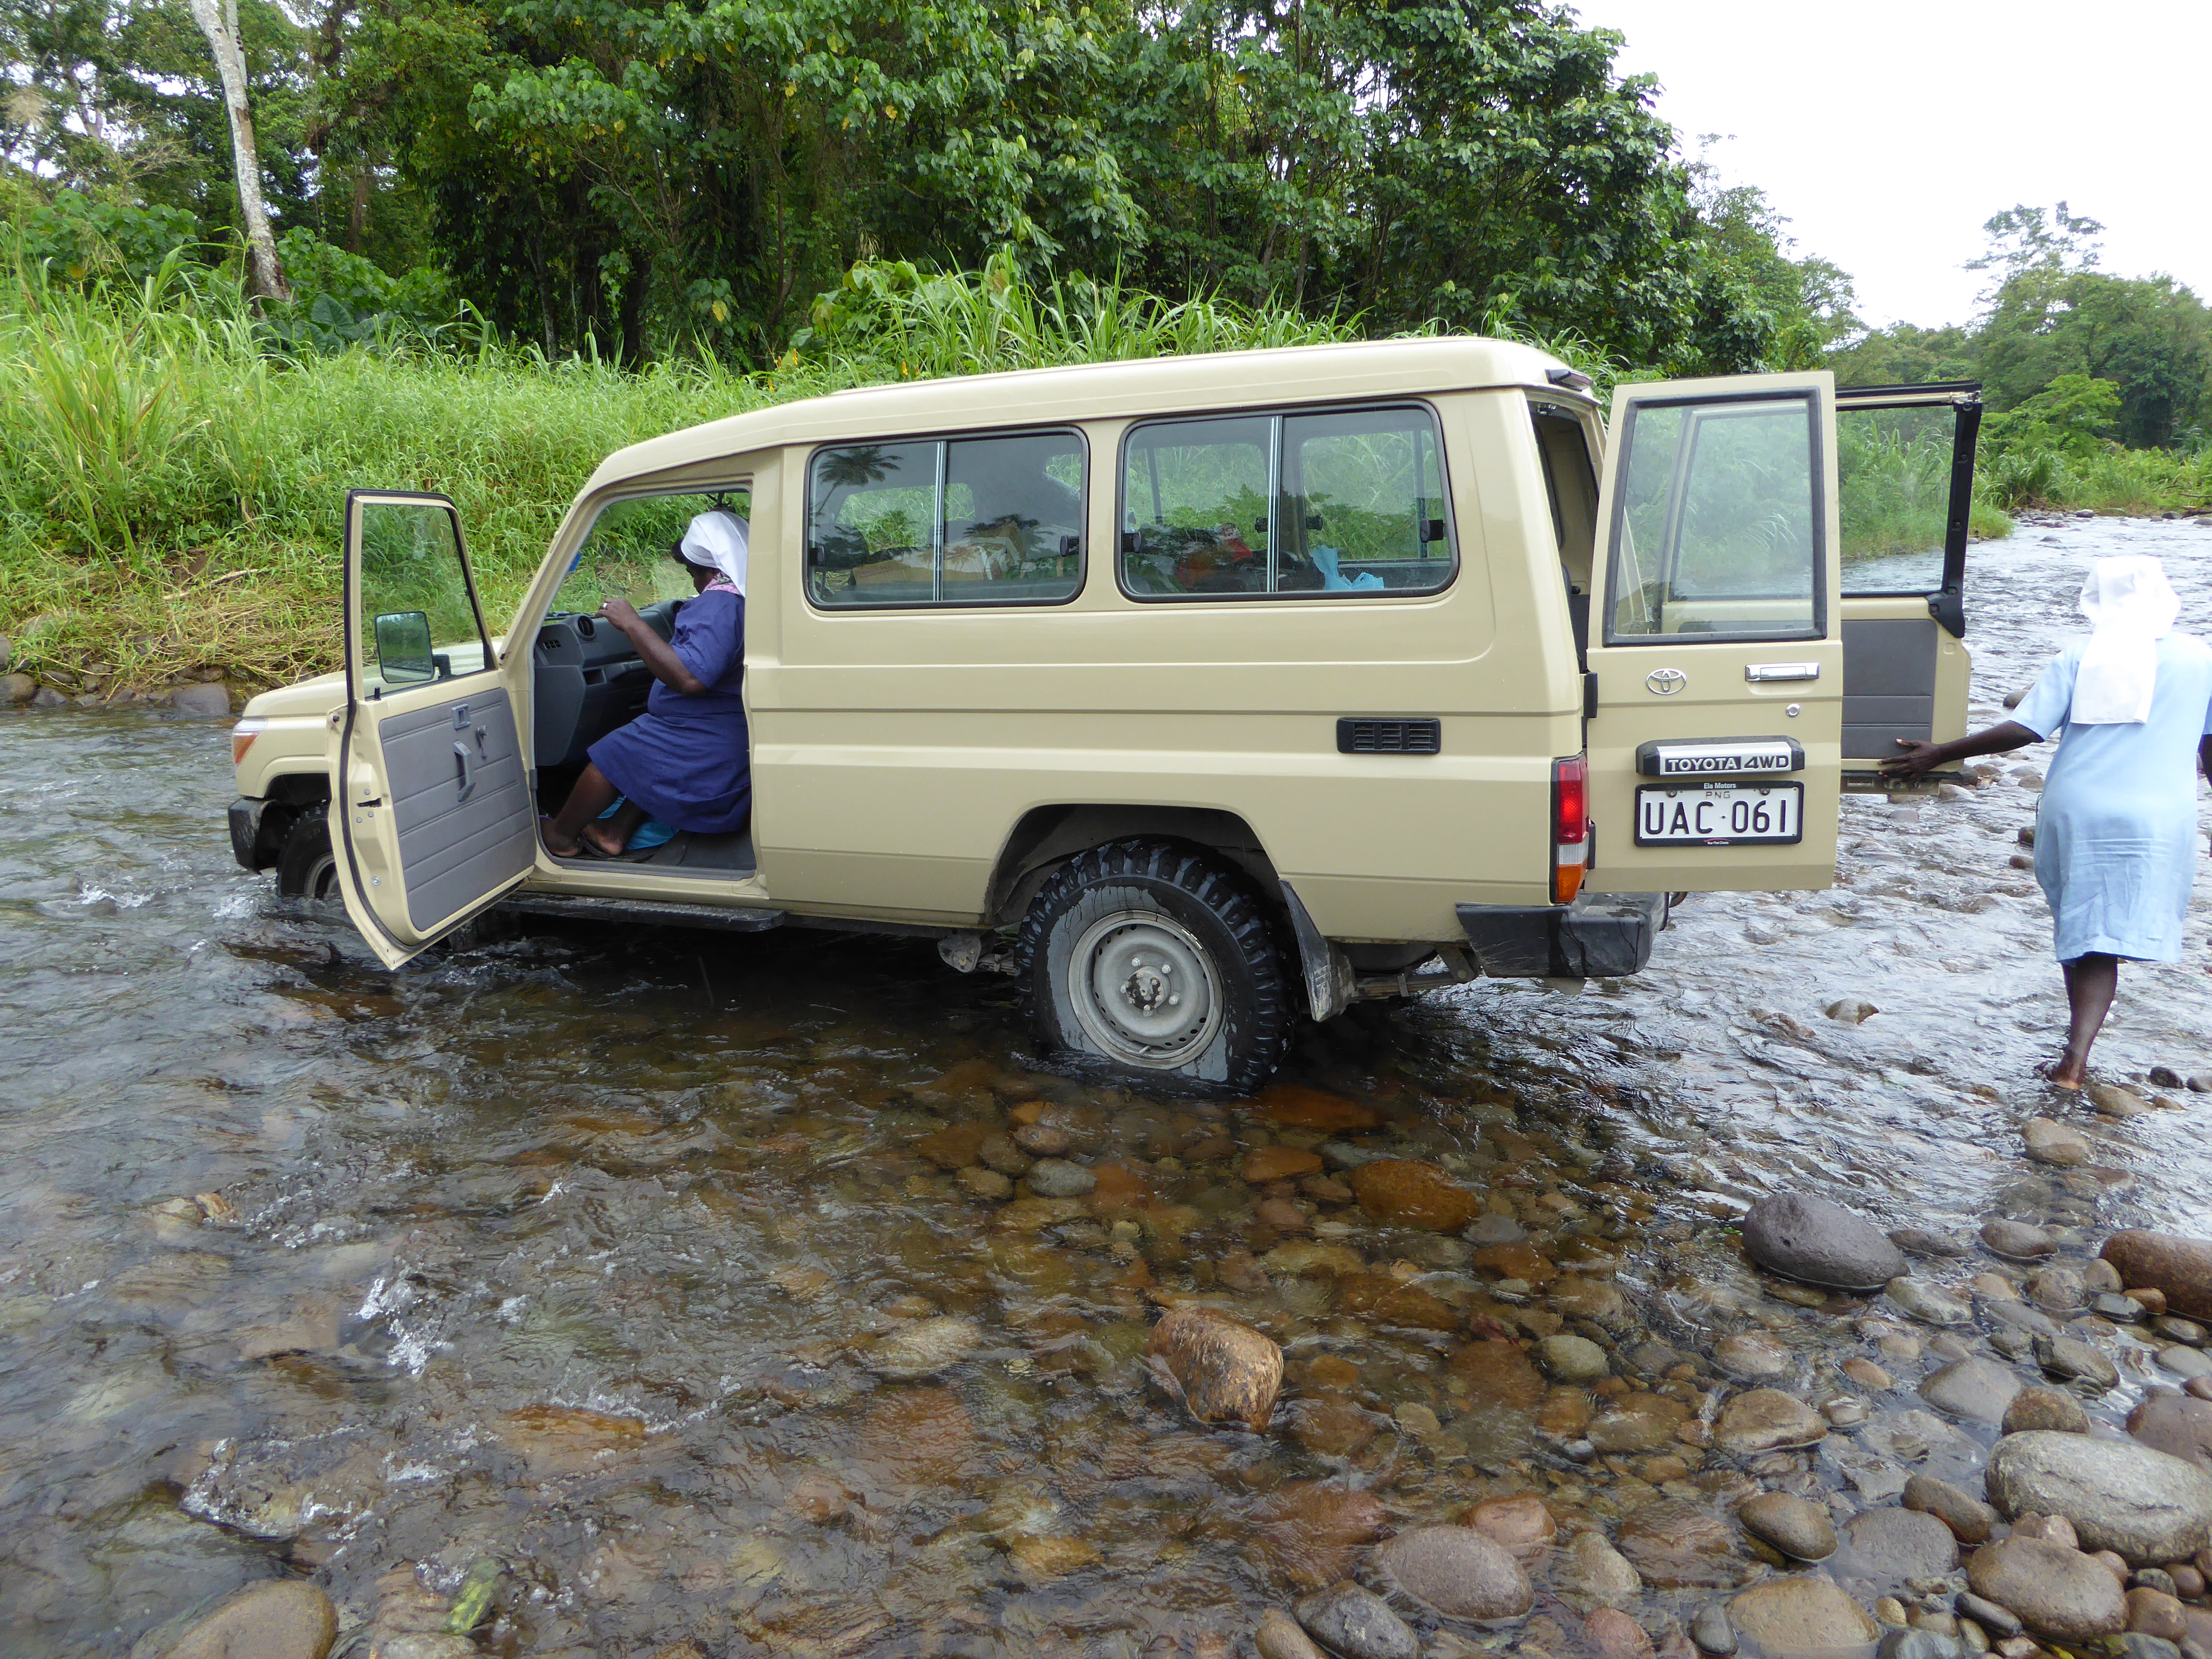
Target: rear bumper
1599, 936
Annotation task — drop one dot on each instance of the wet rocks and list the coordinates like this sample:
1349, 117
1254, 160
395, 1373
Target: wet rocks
1522, 1522
1572, 1358
1672, 1544
2056, 1592
2181, 1268
2045, 1408
1311, 1531
1638, 1423
2018, 1240
2154, 1613
1225, 1370
1295, 1106
923, 1348
1498, 1374
1456, 1572
1412, 1194
1055, 1177
286, 1619
1594, 1570
1971, 1521
1305, 1258
1796, 1526
1711, 1632
2069, 1357
2050, 1141
1752, 1357
1804, 1616
2177, 1425
2129, 1499
1923, 1302
1265, 1164
1766, 1420
1927, 1241
1901, 1544
1817, 1243
1279, 1638
954, 1146
212, 698
1356, 1623
2113, 1101
1850, 1011
1970, 1388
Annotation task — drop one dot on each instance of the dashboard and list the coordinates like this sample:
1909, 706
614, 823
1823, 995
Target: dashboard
588, 680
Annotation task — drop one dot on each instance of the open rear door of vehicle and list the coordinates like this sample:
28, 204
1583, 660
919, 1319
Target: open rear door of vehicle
1904, 461
431, 815
1715, 640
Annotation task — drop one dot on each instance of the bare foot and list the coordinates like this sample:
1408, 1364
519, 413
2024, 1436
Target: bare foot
546, 833
2062, 1073
603, 841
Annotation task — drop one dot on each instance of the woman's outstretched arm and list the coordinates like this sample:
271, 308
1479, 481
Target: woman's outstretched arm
667, 667
1921, 758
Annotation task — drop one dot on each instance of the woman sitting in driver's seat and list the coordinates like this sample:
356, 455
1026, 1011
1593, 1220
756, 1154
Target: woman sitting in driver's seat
684, 761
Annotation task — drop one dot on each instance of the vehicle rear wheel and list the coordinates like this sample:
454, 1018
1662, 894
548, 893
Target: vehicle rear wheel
1159, 960
306, 868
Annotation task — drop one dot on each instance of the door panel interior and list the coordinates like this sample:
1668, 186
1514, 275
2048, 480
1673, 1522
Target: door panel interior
460, 802
1889, 682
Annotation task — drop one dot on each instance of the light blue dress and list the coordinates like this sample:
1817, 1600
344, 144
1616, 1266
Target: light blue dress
2116, 834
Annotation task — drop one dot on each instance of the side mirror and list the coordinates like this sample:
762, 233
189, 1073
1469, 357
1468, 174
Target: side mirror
402, 649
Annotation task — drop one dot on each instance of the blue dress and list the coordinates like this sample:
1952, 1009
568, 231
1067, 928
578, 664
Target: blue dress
2116, 833
686, 759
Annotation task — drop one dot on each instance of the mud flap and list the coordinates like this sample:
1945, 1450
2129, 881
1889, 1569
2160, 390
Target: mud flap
1601, 936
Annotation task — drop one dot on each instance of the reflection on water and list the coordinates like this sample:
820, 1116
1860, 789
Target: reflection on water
571, 1254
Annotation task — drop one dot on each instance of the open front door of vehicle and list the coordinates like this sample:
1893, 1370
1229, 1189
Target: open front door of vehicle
1904, 458
431, 817
1715, 640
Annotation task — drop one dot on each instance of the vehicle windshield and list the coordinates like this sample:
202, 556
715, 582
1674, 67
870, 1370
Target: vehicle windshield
629, 554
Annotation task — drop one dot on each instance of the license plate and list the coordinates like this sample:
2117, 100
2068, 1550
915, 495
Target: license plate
1721, 815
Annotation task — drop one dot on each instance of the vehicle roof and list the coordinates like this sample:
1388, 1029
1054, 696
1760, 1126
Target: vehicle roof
1151, 385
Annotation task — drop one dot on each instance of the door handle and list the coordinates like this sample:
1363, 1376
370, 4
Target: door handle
467, 779
1758, 673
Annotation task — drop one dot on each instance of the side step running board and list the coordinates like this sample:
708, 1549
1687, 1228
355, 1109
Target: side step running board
662, 913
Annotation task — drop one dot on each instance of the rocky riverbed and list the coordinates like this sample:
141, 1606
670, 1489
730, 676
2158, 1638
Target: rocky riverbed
667, 1294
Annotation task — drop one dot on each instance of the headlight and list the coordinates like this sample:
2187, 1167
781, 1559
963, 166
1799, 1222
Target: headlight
242, 736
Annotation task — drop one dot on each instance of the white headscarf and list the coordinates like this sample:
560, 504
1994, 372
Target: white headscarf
2130, 606
719, 541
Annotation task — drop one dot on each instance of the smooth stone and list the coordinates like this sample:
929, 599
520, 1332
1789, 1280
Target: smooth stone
1987, 1614
212, 698
1971, 1520
1672, 1544
1867, 1374
2177, 1330
2156, 1613
2184, 1362
1055, 1177
1766, 1420
1413, 1194
1356, 1623
1572, 1358
17, 688
1753, 1356
2114, 1101
1456, 1572
2049, 1141
2058, 1530
1796, 1526
1923, 1302
1279, 1638
2179, 1267
2054, 1591
1497, 1374
923, 1349
1817, 1243
985, 1184
2179, 1424
1225, 1370
1638, 1423
1520, 1523
1901, 1544
1919, 1644
1495, 1230
2144, 1504
2076, 1360
1803, 1616
2055, 1289
2018, 1240
1927, 1241
1593, 1569
282, 1618
1312, 1531
1609, 1633
1970, 1388
1712, 1632
1263, 1164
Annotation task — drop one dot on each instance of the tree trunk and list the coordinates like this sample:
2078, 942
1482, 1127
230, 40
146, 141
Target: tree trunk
218, 21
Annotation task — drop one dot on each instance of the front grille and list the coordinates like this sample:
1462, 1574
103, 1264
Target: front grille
1398, 736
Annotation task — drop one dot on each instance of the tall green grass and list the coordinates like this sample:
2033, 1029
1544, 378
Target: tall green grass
174, 475
2107, 478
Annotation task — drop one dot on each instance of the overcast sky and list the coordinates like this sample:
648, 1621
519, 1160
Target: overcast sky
1888, 131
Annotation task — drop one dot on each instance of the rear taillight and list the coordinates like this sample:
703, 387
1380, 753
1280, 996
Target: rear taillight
1569, 827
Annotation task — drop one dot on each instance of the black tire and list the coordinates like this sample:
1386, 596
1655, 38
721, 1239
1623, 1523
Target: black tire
1148, 917
305, 868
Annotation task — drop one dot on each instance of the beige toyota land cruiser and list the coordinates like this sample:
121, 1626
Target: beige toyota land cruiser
1206, 693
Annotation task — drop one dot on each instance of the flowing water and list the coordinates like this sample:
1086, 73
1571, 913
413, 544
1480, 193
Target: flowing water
572, 1251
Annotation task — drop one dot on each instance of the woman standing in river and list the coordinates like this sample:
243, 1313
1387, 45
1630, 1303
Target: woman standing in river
2116, 831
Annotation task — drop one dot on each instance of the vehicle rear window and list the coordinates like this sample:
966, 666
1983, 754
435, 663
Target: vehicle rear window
1334, 503
992, 520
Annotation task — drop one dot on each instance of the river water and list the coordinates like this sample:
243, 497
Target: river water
570, 1251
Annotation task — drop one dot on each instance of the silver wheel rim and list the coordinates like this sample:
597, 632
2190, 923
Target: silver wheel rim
1143, 990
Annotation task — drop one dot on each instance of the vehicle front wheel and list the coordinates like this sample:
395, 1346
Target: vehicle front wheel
1160, 960
306, 868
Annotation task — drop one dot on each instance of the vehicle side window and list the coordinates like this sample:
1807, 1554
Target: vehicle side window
1717, 531
1335, 502
985, 520
1893, 484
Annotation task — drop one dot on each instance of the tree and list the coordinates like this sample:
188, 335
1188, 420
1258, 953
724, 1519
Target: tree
218, 21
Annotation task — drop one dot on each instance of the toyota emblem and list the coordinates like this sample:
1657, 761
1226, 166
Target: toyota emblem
1665, 682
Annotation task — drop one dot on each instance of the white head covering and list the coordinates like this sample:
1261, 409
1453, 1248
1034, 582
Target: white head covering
2130, 606
719, 541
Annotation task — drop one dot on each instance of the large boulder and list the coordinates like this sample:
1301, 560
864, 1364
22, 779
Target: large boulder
1457, 1571
2141, 1503
2176, 1424
1802, 1616
2056, 1592
2181, 1267
1817, 1243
